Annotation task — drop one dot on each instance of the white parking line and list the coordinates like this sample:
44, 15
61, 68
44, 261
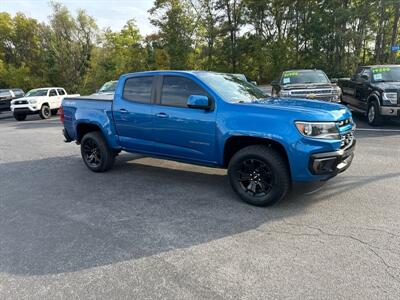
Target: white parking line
383, 130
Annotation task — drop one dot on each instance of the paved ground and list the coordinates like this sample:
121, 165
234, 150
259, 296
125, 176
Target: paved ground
156, 229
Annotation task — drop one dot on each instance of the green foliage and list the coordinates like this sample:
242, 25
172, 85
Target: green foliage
259, 38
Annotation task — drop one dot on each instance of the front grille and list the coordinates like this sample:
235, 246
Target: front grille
311, 91
398, 98
21, 102
347, 140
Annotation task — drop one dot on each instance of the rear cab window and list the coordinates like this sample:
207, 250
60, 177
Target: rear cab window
176, 91
138, 89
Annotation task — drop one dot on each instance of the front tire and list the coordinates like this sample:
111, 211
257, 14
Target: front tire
259, 175
45, 112
95, 152
20, 117
374, 115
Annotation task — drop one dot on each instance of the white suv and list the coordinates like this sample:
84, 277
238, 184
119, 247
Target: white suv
43, 101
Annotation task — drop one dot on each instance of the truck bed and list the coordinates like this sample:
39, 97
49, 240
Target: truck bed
98, 107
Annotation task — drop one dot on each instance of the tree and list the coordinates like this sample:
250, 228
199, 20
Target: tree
69, 43
176, 28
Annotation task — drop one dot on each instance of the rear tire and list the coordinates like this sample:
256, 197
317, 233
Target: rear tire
45, 112
95, 152
259, 175
20, 117
373, 114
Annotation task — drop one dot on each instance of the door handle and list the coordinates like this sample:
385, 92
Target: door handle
162, 115
123, 110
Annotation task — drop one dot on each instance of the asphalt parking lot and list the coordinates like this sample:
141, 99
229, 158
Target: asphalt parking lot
156, 229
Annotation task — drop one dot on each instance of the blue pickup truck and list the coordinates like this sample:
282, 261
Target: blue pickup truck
216, 120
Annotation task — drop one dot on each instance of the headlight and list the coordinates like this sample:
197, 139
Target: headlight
391, 97
337, 91
32, 101
319, 130
284, 93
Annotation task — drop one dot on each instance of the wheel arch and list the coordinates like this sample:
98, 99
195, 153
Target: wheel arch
235, 143
84, 128
374, 97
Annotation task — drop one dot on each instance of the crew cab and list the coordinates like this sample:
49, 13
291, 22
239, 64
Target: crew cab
306, 84
215, 120
42, 101
374, 91
7, 95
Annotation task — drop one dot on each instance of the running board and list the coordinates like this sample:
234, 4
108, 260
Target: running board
353, 108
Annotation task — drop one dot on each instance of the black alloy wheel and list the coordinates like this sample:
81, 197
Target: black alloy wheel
96, 154
255, 177
259, 175
45, 112
91, 153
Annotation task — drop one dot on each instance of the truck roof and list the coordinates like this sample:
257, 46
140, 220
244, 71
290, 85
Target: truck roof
302, 70
173, 71
51, 87
379, 66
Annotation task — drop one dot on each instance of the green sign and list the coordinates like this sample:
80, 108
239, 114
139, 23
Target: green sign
381, 70
290, 74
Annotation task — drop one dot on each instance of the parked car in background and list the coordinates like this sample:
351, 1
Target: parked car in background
306, 84
374, 91
213, 119
7, 95
107, 89
244, 78
42, 101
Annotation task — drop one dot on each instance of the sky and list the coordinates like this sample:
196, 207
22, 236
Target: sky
108, 13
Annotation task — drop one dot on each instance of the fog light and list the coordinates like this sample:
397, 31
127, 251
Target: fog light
324, 165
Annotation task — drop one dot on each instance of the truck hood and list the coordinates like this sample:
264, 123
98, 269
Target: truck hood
33, 97
387, 86
306, 86
305, 110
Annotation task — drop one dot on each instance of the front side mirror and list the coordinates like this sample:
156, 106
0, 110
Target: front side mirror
334, 80
274, 83
199, 102
365, 77
254, 82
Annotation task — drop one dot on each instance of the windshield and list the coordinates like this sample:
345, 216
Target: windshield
302, 77
36, 93
386, 74
108, 87
231, 88
5, 93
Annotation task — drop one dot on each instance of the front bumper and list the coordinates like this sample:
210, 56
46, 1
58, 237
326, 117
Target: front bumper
390, 111
5, 104
24, 109
332, 163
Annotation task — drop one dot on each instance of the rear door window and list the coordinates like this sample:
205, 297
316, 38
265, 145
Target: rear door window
60, 92
176, 91
52, 93
138, 89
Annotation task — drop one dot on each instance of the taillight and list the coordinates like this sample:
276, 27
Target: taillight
61, 113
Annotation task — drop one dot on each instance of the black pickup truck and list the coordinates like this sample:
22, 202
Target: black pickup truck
6, 95
374, 91
308, 84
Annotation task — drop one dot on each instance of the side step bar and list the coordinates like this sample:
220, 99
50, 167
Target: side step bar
358, 110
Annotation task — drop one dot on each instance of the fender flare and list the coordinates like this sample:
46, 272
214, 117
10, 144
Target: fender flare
374, 97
